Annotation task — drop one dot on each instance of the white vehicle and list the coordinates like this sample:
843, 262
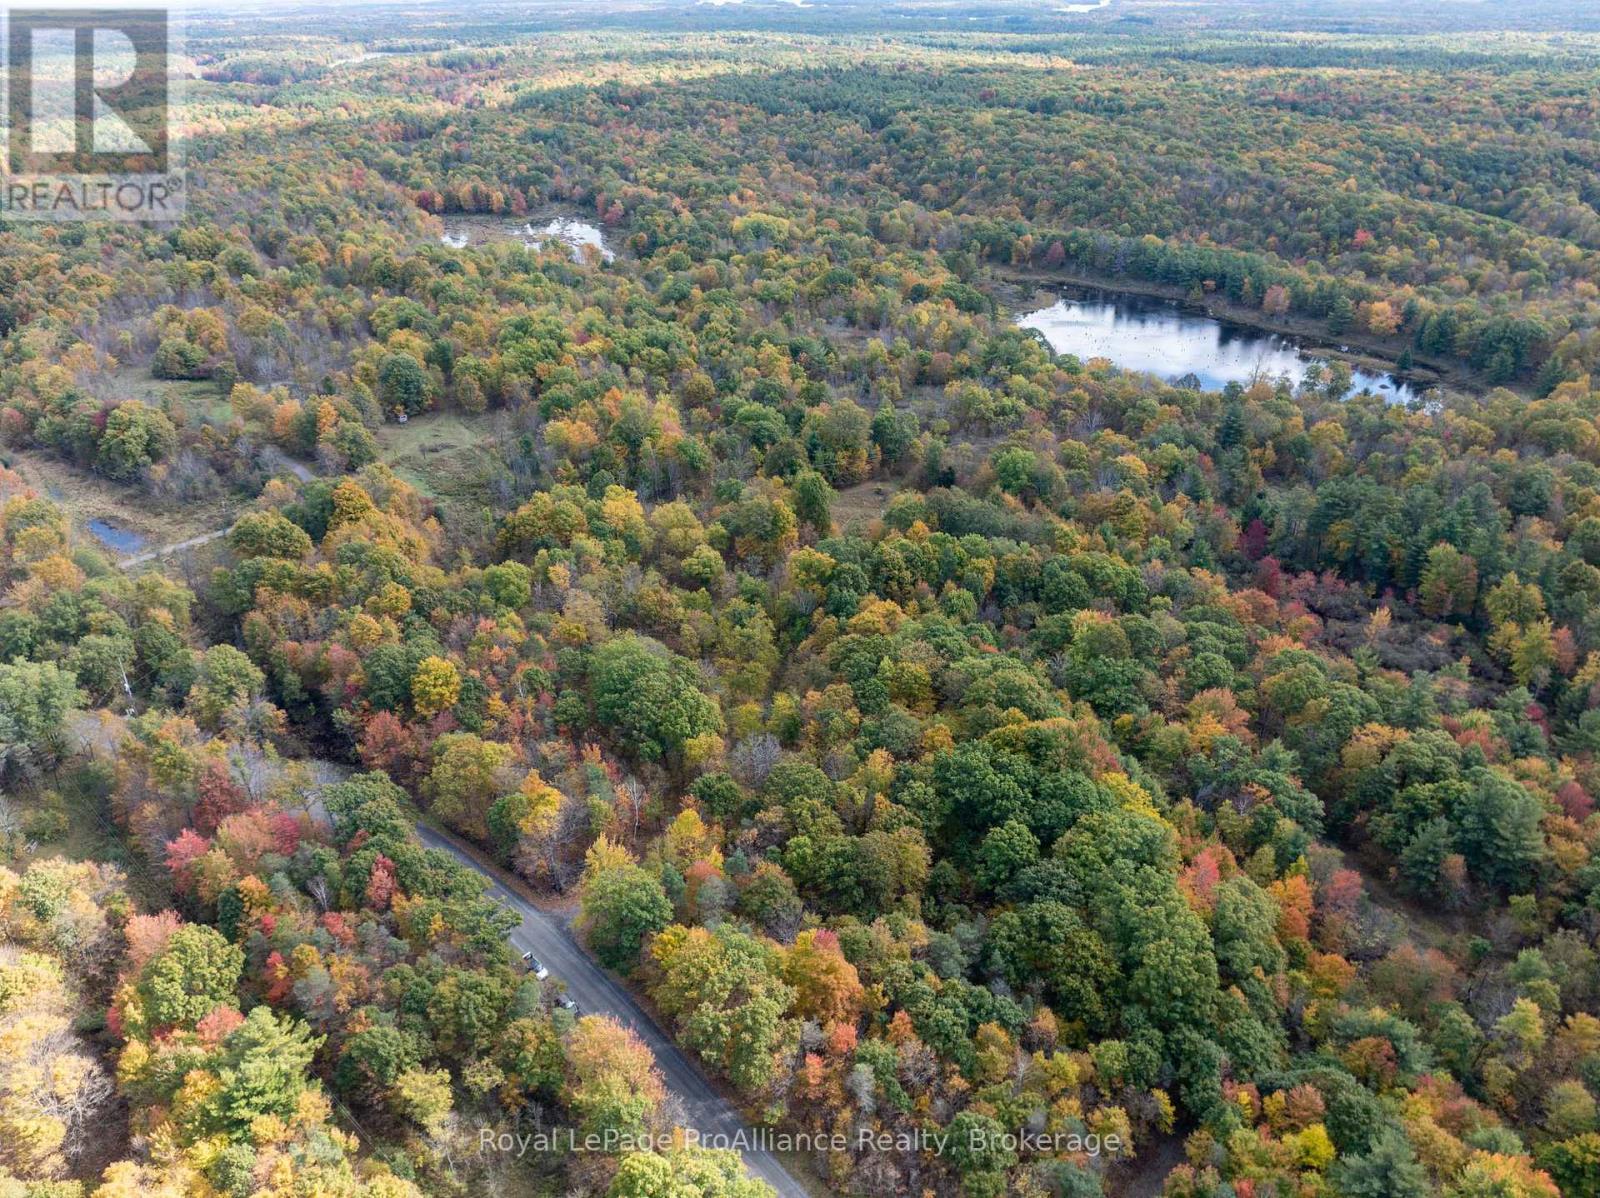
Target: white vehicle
535, 966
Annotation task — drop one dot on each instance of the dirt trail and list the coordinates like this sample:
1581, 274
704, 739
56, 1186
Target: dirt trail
150, 555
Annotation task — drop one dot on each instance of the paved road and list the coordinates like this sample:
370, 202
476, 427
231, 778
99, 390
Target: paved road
598, 994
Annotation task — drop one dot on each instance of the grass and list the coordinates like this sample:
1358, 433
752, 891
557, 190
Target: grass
863, 502
83, 496
197, 400
68, 814
447, 457
426, 450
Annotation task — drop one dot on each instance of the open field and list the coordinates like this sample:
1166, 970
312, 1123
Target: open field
429, 451
864, 502
194, 400
447, 457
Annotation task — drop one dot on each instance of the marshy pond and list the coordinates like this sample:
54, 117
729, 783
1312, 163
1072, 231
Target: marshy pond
577, 235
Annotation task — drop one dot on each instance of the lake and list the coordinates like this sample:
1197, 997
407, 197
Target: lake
460, 232
1154, 335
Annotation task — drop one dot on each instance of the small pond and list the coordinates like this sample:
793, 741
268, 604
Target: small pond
1159, 337
114, 536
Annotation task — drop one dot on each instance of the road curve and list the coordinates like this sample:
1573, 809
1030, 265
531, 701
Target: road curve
278, 460
597, 993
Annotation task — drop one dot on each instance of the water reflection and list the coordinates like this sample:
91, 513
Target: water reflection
114, 536
1153, 335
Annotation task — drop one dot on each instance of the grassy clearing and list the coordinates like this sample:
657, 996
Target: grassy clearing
194, 401
446, 456
68, 814
864, 502
84, 497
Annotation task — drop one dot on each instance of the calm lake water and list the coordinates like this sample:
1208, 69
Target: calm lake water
1148, 334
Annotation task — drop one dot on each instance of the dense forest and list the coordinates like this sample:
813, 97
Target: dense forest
999, 771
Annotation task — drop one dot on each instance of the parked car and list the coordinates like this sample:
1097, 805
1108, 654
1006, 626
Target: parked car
535, 966
567, 1003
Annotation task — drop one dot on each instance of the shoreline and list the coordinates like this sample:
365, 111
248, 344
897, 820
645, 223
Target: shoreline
1365, 352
